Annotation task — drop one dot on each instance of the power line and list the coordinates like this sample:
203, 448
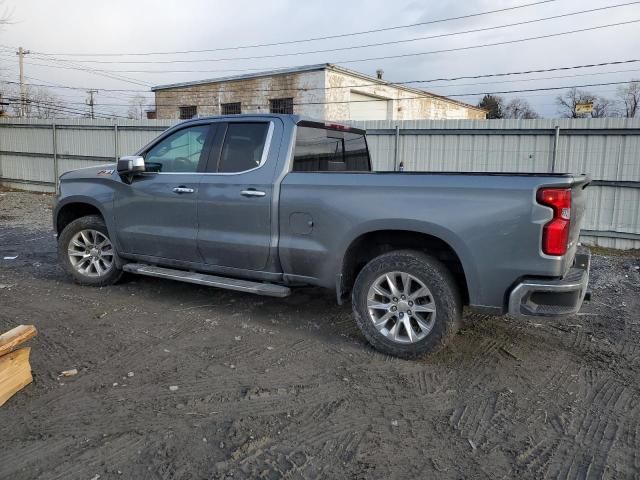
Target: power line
391, 84
148, 71
101, 72
59, 108
611, 72
394, 42
507, 42
327, 37
387, 57
116, 91
541, 89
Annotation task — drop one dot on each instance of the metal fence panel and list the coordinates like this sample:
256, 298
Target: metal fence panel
82, 141
27, 168
26, 139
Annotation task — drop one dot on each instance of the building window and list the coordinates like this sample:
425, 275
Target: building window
231, 108
188, 112
281, 105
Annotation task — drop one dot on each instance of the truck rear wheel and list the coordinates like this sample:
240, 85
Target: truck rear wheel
406, 303
86, 252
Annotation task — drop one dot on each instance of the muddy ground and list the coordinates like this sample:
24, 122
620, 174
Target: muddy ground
272, 388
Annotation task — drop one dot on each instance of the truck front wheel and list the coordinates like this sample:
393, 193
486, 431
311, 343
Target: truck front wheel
406, 303
86, 252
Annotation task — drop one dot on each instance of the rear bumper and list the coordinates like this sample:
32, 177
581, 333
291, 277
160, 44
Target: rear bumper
552, 298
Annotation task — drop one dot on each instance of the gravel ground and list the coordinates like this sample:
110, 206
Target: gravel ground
178, 381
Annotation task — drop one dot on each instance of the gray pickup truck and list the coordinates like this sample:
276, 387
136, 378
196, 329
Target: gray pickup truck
266, 203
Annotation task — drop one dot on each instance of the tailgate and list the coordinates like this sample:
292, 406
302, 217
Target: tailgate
578, 206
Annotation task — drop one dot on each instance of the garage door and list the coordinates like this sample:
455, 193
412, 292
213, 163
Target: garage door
366, 107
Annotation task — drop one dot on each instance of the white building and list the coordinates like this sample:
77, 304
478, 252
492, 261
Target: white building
323, 91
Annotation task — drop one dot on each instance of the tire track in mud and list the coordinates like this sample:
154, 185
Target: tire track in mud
82, 416
18, 457
535, 460
318, 436
582, 447
331, 432
112, 452
426, 382
484, 420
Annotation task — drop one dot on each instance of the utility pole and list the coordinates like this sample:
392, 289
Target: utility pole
90, 101
23, 96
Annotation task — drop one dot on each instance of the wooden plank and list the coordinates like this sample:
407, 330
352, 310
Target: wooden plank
11, 339
15, 373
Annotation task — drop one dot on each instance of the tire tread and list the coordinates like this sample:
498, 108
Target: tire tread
438, 279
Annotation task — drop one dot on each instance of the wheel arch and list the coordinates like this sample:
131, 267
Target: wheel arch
73, 208
372, 243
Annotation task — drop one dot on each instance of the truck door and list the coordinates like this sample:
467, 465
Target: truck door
236, 194
156, 215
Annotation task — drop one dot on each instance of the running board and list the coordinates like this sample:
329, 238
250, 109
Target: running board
268, 289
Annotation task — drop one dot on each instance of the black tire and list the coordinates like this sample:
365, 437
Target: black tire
90, 222
444, 294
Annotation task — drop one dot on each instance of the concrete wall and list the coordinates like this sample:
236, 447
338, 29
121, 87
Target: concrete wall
317, 94
254, 94
404, 106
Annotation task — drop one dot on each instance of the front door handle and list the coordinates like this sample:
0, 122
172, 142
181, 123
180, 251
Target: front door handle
182, 189
252, 192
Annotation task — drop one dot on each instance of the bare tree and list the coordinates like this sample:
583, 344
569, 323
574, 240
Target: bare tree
137, 107
629, 99
603, 107
40, 103
567, 104
4, 103
46, 104
519, 108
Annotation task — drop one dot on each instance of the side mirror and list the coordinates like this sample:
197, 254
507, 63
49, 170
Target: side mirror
130, 166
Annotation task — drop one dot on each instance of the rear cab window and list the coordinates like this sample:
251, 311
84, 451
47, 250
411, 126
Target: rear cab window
330, 148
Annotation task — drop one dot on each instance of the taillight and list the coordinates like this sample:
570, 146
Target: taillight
555, 235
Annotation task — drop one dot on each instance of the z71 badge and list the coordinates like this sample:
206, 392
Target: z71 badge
105, 172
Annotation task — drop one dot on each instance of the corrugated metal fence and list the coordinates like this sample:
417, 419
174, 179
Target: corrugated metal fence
606, 149
34, 152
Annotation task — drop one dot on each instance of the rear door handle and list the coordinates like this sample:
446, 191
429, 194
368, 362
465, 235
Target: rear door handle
182, 189
252, 192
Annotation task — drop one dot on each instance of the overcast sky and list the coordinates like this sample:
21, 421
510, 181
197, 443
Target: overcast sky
79, 26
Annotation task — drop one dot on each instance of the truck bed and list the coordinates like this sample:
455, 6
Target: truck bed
491, 220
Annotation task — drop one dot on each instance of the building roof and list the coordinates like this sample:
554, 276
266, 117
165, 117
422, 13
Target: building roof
310, 68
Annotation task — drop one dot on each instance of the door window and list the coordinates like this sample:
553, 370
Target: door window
243, 147
179, 152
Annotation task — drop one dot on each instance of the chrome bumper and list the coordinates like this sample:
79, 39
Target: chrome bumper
553, 298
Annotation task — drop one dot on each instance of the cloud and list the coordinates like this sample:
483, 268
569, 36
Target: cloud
143, 25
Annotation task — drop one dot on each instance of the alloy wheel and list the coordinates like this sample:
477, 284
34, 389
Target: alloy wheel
401, 307
91, 253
